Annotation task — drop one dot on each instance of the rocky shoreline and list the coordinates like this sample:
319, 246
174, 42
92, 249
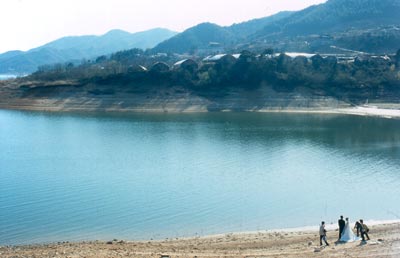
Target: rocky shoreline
70, 96
176, 100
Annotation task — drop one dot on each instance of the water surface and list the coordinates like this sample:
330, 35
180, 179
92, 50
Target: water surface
78, 177
7, 76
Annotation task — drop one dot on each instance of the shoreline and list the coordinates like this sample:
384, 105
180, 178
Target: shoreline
301, 229
265, 99
305, 229
357, 111
294, 242
328, 226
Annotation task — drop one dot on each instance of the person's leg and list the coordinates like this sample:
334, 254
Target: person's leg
340, 233
362, 236
325, 240
320, 239
366, 234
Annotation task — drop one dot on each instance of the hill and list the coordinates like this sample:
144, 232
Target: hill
337, 16
195, 38
361, 25
198, 38
247, 28
76, 48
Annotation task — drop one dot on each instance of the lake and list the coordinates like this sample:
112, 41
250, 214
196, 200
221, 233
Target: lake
72, 177
7, 76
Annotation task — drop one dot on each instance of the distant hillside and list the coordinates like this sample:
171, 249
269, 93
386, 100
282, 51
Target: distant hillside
362, 25
76, 48
371, 26
247, 28
337, 16
27, 62
196, 38
199, 37
248, 83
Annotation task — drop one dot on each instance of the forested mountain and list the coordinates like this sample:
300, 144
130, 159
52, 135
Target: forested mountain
361, 25
199, 37
337, 16
196, 38
245, 29
76, 48
337, 26
112, 41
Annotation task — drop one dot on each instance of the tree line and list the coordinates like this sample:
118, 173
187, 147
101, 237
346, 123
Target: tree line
364, 76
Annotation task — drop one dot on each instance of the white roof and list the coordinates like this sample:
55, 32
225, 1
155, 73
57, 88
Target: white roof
218, 57
214, 58
143, 68
180, 62
385, 57
296, 54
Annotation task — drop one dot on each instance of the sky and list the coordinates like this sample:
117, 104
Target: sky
25, 24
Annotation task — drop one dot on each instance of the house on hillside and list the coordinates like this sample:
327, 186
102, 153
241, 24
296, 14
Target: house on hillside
136, 68
296, 54
221, 58
160, 67
316, 59
186, 64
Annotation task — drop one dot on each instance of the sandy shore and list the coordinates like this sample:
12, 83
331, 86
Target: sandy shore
358, 111
385, 242
65, 97
372, 111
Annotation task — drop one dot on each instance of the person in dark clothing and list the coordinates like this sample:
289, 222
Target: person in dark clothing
358, 226
364, 230
341, 223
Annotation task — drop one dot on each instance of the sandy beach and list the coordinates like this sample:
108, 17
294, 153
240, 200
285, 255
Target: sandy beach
372, 111
384, 243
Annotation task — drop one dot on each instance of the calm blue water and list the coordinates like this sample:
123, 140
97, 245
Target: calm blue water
78, 177
7, 76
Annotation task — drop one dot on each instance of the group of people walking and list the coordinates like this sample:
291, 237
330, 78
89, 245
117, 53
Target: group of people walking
346, 233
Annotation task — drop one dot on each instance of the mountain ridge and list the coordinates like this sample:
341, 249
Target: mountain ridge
336, 15
344, 22
76, 48
369, 26
194, 38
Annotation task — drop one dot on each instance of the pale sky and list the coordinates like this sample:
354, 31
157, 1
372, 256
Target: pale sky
26, 24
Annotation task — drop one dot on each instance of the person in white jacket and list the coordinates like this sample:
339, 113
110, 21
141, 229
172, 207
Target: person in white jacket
322, 233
